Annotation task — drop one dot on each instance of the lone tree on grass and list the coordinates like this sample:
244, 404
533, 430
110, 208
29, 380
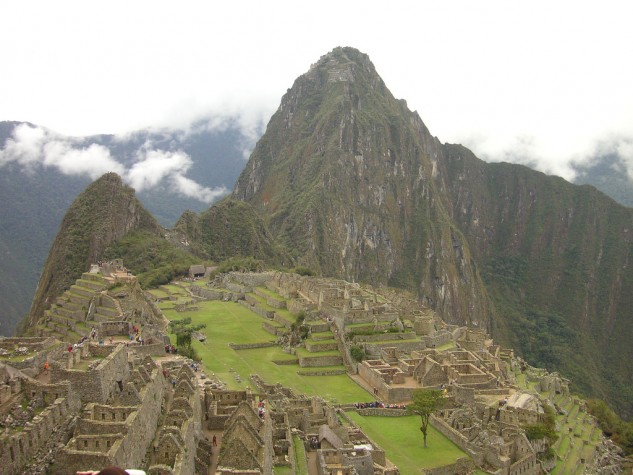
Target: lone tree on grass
426, 402
184, 329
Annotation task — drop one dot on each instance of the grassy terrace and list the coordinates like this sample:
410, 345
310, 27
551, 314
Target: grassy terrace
174, 289
401, 438
572, 445
229, 322
159, 294
282, 312
267, 291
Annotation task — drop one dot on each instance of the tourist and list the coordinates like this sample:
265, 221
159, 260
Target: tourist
215, 441
46, 368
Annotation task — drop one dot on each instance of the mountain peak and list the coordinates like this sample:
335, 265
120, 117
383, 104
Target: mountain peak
107, 210
344, 64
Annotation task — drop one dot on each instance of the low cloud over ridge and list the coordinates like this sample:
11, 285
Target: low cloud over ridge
31, 147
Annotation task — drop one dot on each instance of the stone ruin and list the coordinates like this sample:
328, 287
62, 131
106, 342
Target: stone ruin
97, 406
114, 404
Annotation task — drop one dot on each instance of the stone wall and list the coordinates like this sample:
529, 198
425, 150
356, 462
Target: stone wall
97, 384
251, 279
249, 346
309, 362
210, 294
404, 346
154, 349
114, 328
315, 346
116, 435
255, 308
458, 439
462, 466
18, 449
528, 465
388, 336
439, 339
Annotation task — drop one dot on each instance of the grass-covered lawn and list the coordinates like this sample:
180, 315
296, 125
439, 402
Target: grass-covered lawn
269, 292
159, 294
174, 289
401, 438
280, 470
301, 465
229, 322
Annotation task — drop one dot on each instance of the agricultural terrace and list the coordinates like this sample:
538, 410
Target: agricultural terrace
578, 435
230, 322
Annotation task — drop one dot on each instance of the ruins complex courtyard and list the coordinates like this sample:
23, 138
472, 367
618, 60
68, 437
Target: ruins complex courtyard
298, 375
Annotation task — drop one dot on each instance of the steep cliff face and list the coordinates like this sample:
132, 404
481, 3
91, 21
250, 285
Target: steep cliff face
104, 212
344, 177
557, 259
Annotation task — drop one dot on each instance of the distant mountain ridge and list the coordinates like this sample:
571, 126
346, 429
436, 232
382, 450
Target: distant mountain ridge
609, 174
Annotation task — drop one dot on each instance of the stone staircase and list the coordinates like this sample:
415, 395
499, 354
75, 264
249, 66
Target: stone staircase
81, 306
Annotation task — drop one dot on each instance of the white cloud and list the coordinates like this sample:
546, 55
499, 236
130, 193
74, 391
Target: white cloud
156, 166
153, 166
32, 147
25, 147
188, 187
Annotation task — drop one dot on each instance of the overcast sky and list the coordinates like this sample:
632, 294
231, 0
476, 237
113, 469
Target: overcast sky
543, 81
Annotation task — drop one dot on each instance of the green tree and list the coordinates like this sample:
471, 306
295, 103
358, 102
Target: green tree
426, 402
184, 329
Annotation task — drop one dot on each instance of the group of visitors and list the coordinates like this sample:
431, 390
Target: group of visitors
378, 405
261, 409
171, 349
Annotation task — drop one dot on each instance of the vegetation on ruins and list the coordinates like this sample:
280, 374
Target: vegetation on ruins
424, 403
357, 353
545, 429
152, 259
620, 431
299, 331
240, 264
301, 270
184, 330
